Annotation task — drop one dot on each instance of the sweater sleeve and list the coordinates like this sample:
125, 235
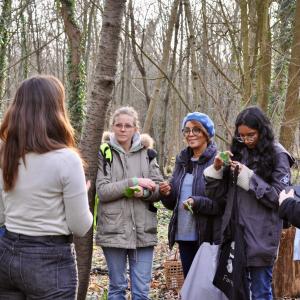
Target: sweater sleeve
78, 216
207, 206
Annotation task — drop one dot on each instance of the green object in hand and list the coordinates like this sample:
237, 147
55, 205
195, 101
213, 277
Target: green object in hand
189, 207
129, 191
225, 157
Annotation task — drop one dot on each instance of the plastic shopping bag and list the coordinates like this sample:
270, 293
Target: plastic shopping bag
198, 283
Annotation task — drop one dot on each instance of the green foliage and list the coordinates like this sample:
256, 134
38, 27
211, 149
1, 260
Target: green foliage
225, 157
104, 295
129, 191
95, 212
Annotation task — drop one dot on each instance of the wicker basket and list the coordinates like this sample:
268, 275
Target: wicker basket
173, 273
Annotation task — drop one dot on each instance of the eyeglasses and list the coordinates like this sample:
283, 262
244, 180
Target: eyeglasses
248, 137
125, 126
195, 130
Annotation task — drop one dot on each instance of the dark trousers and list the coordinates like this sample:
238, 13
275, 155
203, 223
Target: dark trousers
35, 268
187, 250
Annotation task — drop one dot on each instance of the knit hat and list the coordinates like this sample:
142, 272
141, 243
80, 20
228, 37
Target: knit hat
203, 119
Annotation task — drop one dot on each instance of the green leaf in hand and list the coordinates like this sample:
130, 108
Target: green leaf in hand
225, 157
129, 191
189, 207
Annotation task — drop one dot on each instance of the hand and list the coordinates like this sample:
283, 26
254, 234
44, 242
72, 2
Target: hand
88, 185
164, 188
284, 195
147, 183
218, 162
233, 165
188, 203
138, 194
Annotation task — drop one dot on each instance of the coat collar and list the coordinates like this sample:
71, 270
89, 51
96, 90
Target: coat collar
186, 154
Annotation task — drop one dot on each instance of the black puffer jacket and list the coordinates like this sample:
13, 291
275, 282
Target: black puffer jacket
206, 211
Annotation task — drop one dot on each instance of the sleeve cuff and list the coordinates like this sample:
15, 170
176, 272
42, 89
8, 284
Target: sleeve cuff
132, 181
213, 173
146, 193
244, 178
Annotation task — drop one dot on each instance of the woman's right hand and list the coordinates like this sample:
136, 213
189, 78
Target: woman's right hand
284, 195
147, 183
218, 162
164, 188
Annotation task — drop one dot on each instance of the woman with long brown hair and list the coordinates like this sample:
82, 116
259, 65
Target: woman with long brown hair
44, 195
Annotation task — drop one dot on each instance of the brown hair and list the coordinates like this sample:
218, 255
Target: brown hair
36, 121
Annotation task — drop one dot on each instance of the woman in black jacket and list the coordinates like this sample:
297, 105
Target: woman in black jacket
189, 228
264, 170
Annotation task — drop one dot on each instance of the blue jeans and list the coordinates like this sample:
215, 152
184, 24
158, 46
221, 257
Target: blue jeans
140, 270
35, 268
260, 283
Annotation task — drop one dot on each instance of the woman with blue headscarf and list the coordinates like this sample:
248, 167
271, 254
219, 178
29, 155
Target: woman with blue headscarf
196, 218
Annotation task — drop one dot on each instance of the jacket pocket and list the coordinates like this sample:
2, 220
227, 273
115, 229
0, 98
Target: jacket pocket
151, 220
112, 222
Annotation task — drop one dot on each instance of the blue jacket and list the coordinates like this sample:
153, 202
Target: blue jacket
206, 211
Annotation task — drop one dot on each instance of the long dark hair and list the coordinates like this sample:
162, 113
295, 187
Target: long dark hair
36, 121
253, 117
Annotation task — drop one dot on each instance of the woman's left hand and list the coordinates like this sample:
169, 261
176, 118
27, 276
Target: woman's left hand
235, 163
284, 195
188, 202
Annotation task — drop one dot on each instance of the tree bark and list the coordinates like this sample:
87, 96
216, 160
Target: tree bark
192, 45
245, 44
264, 60
292, 103
104, 81
5, 20
75, 64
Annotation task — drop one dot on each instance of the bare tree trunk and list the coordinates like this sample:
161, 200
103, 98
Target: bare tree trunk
4, 38
292, 105
163, 123
204, 51
246, 60
76, 71
264, 60
104, 80
163, 66
192, 45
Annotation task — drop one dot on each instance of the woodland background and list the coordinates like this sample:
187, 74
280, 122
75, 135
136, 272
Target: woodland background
165, 58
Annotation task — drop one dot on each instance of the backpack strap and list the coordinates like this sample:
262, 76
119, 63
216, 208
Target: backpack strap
106, 153
151, 154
